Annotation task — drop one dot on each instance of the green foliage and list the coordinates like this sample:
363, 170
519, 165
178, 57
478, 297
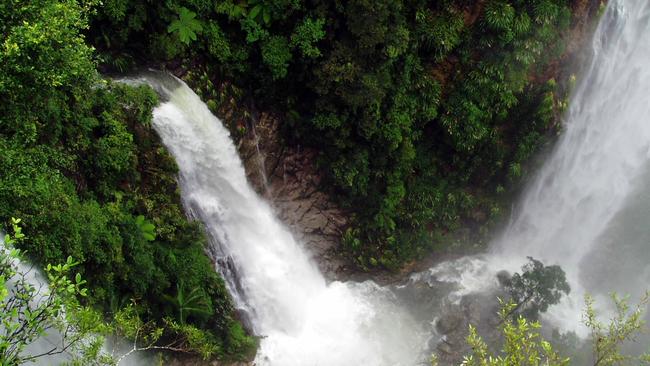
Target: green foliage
29, 310
44, 61
188, 302
83, 168
168, 336
200, 342
306, 35
536, 288
232, 10
624, 326
260, 11
522, 345
499, 15
186, 26
147, 229
218, 43
276, 55
439, 33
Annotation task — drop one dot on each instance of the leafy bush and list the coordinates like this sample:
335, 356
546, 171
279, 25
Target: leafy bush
87, 174
306, 35
276, 55
186, 26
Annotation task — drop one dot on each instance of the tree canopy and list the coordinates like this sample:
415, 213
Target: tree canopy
536, 288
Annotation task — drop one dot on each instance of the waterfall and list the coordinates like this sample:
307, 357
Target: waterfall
588, 207
302, 320
598, 170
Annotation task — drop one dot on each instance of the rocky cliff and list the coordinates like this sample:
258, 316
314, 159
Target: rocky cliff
289, 178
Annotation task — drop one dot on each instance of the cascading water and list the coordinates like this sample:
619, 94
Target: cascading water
584, 211
302, 319
587, 208
597, 170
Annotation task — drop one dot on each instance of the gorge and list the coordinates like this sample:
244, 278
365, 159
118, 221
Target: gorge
573, 213
359, 216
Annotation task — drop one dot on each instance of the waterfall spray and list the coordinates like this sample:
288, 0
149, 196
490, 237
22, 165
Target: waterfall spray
302, 320
581, 209
575, 211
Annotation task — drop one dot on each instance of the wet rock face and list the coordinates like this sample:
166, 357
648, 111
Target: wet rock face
480, 311
288, 178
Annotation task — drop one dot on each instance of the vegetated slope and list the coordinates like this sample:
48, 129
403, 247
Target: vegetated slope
425, 113
82, 167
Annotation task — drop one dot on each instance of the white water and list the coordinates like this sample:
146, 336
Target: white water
587, 209
598, 165
302, 319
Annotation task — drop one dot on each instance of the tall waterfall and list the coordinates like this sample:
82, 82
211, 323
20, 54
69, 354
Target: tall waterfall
588, 208
302, 320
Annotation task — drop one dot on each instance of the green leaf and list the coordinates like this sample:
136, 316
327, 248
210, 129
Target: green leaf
147, 228
266, 15
139, 220
255, 11
186, 26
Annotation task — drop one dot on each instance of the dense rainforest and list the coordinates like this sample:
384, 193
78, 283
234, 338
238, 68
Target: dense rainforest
83, 169
426, 115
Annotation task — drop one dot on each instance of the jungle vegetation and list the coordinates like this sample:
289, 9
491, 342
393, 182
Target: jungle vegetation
524, 344
426, 114
83, 169
35, 305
